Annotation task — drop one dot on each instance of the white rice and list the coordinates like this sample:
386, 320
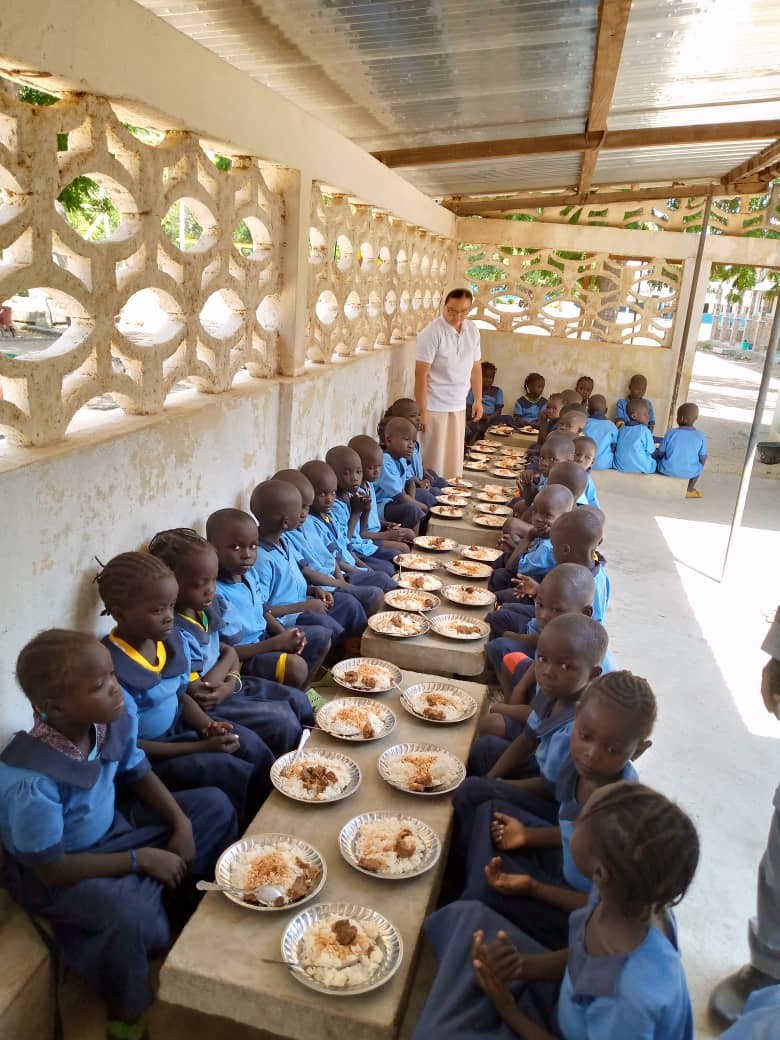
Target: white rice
424, 768
290, 782
398, 624
377, 841
453, 706
331, 964
282, 867
344, 719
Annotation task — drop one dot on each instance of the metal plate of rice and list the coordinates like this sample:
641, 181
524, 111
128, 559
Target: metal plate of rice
341, 717
232, 867
362, 839
346, 771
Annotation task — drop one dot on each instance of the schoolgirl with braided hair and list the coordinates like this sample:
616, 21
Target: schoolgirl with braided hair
94, 871
273, 711
187, 748
620, 977
520, 863
530, 404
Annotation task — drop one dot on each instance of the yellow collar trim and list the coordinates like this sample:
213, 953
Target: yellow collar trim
133, 654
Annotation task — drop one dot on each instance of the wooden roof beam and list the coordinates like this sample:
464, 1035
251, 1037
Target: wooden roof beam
761, 161
613, 22
646, 137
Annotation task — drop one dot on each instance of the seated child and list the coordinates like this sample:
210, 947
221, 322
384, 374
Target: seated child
635, 449
572, 476
513, 531
620, 978
527, 408
569, 654
570, 397
395, 487
602, 430
575, 537
558, 447
274, 712
584, 387
567, 589
683, 451
637, 388
573, 419
352, 503
102, 877
535, 883
187, 747
426, 480
548, 417
585, 449
335, 561
533, 554
292, 655
289, 599
388, 537
492, 404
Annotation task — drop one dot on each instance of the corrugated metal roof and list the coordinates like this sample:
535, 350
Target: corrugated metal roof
409, 73
678, 162
698, 61
500, 175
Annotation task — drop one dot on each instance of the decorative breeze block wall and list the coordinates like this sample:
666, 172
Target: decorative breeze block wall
212, 302
373, 279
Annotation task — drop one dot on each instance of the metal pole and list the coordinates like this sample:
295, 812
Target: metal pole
705, 223
747, 469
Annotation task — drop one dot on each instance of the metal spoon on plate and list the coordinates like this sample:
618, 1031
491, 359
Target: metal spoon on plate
266, 895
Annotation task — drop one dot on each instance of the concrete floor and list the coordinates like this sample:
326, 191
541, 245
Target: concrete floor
698, 642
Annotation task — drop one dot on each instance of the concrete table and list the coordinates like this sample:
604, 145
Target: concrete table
439, 655
515, 440
214, 969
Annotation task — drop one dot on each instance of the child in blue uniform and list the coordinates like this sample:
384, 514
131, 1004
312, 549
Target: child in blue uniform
513, 532
390, 538
573, 418
290, 601
534, 554
558, 447
427, 481
534, 883
395, 486
635, 448
492, 405
569, 654
637, 388
350, 504
274, 712
549, 416
187, 747
683, 451
585, 449
354, 501
291, 656
584, 387
602, 430
530, 404
93, 867
620, 978
575, 538
572, 476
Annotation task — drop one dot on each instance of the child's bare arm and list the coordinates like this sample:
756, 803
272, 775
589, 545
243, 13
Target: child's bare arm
517, 754
522, 691
512, 711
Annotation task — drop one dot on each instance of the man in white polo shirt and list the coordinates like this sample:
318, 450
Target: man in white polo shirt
448, 363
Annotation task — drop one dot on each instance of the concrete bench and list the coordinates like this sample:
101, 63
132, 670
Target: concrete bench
213, 982
640, 485
26, 985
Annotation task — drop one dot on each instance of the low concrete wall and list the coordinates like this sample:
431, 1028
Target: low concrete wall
561, 361
110, 488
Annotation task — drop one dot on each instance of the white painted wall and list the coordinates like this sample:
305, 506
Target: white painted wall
108, 490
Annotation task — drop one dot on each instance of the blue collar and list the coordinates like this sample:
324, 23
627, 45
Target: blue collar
25, 752
549, 723
129, 673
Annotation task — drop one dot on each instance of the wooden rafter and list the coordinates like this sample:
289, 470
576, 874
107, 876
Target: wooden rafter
681, 189
613, 22
645, 137
763, 161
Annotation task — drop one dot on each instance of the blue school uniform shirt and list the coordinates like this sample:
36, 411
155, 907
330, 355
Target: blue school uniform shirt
342, 514
640, 995
201, 639
492, 401
589, 496
52, 804
157, 694
604, 432
332, 529
392, 481
568, 811
602, 589
418, 469
527, 410
635, 448
279, 575
241, 606
373, 521
682, 452
553, 731
621, 412
538, 560
760, 1018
